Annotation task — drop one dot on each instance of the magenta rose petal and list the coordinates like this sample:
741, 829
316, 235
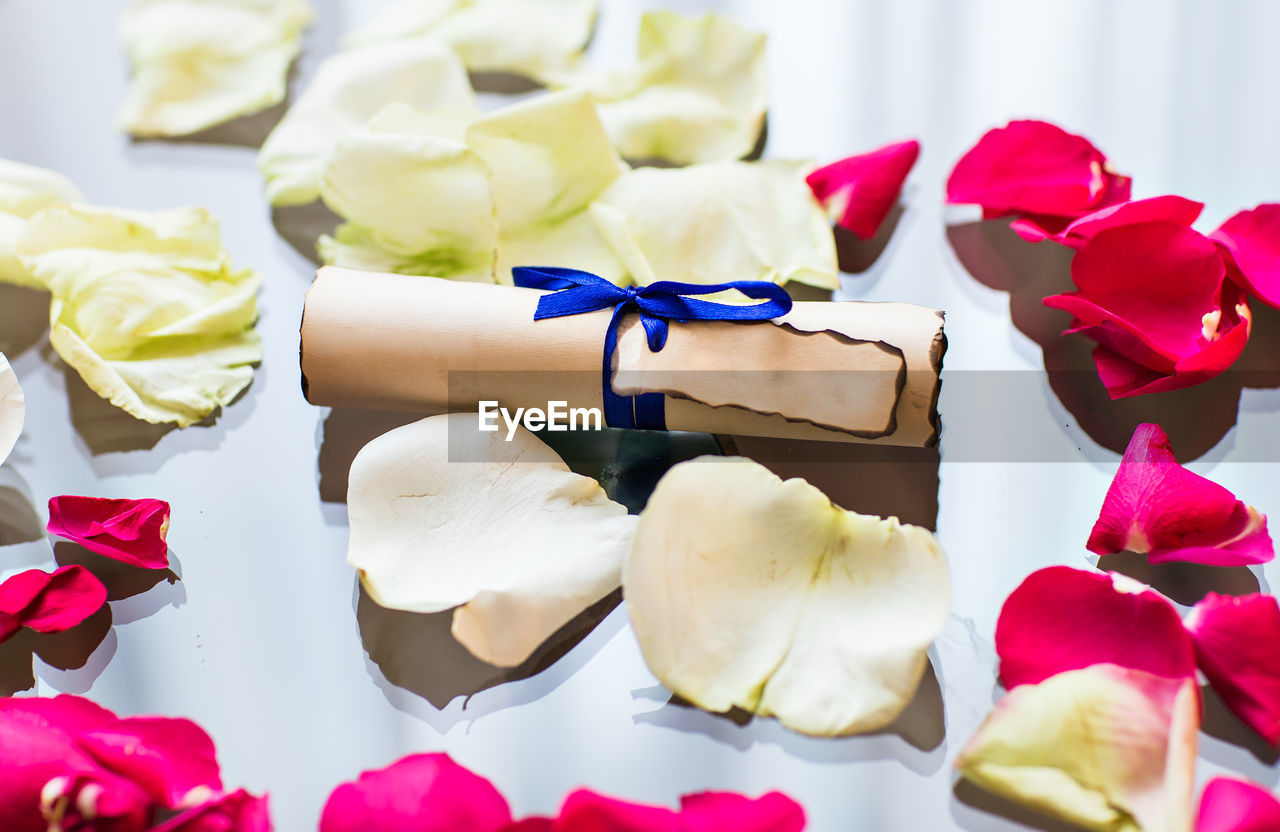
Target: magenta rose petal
586, 811
860, 191
724, 811
1171, 209
1231, 805
236, 811
51, 602
1062, 619
1251, 240
1038, 170
420, 793
1237, 642
1155, 295
1157, 507
130, 531
172, 759
37, 745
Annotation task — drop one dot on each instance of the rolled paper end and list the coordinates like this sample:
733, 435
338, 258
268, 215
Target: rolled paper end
832, 371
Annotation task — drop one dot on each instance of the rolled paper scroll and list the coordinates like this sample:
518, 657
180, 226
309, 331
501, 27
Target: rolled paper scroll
833, 371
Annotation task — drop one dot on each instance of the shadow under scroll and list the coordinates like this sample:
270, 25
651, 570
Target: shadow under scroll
418, 652
1195, 418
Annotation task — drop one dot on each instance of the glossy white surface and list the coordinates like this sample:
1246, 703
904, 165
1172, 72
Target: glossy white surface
259, 641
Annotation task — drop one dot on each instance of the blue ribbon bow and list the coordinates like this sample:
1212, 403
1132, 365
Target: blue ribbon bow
574, 292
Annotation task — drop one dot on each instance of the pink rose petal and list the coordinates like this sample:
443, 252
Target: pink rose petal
50, 602
1170, 209
1038, 170
1251, 240
1154, 296
1237, 643
860, 191
65, 762
1063, 619
1230, 805
1157, 507
37, 745
236, 811
169, 758
586, 811
130, 531
420, 793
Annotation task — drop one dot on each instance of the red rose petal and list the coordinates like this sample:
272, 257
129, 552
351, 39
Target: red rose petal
1171, 209
420, 793
169, 758
51, 602
130, 531
99, 800
1230, 805
1063, 619
1237, 643
1252, 242
862, 190
36, 745
1155, 296
727, 812
236, 811
1156, 506
586, 811
1035, 168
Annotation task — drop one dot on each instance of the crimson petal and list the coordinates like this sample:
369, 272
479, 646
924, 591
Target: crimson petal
236, 811
1237, 643
1251, 240
170, 758
1062, 619
1035, 168
860, 191
1171, 209
130, 531
50, 602
1230, 805
420, 793
1157, 507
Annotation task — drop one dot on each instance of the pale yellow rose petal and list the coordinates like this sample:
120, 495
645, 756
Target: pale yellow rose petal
24, 190
147, 307
200, 63
508, 36
348, 90
1109, 748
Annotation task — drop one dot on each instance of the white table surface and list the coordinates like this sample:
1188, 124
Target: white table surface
260, 640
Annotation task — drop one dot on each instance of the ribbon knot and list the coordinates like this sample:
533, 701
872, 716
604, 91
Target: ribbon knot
575, 292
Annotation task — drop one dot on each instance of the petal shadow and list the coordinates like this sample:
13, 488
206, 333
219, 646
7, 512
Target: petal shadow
1184, 583
24, 318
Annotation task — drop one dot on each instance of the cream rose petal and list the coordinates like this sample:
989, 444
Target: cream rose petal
24, 190
146, 307
719, 222
697, 93
347, 91
510, 36
414, 203
746, 590
1109, 748
446, 517
199, 63
13, 409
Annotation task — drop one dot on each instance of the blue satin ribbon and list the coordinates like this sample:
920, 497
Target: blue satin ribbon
575, 292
